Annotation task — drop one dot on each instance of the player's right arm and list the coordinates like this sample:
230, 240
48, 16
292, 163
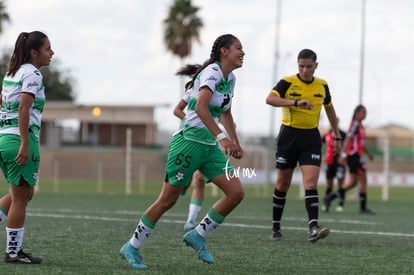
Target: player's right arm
179, 109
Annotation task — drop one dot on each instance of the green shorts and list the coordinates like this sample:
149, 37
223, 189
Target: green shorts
185, 157
14, 173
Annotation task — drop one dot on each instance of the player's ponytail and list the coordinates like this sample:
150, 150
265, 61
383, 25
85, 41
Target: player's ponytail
26, 41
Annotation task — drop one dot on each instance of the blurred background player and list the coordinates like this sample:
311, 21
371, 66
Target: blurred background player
197, 196
333, 168
353, 153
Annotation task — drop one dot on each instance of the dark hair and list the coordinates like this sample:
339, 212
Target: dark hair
25, 42
188, 70
223, 41
357, 109
306, 53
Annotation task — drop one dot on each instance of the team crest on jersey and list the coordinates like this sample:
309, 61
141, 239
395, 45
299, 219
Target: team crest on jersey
180, 175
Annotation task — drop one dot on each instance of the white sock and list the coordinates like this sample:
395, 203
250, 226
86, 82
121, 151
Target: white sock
193, 211
206, 226
14, 239
141, 233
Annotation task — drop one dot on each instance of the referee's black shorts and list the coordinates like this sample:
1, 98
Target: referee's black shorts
295, 145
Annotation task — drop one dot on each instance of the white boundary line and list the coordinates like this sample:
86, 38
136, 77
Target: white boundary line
240, 225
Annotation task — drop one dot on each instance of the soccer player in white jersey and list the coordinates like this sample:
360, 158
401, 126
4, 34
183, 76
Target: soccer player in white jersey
195, 147
22, 101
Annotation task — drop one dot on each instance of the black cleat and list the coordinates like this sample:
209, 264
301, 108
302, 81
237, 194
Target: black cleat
367, 211
317, 233
21, 258
327, 204
276, 235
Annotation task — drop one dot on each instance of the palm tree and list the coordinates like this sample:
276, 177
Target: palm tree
4, 16
182, 27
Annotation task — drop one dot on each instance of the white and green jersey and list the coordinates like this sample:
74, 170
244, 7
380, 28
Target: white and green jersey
27, 79
223, 89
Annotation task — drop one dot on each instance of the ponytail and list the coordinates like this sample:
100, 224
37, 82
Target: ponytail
24, 44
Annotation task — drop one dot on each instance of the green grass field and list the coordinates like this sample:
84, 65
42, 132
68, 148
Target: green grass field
77, 231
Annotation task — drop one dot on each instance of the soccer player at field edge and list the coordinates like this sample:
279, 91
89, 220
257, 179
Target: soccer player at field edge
22, 101
333, 169
353, 154
197, 196
301, 97
195, 147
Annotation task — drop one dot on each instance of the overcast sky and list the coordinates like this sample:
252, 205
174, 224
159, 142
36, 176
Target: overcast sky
114, 51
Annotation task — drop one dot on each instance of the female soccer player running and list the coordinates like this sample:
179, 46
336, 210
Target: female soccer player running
195, 147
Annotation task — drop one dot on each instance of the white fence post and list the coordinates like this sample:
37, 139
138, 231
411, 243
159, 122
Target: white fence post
128, 161
99, 186
386, 169
56, 176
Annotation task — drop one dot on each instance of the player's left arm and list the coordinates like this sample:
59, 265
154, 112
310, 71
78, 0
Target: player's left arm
370, 156
331, 114
179, 109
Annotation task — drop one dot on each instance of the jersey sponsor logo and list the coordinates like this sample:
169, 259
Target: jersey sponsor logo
226, 100
296, 88
32, 84
212, 78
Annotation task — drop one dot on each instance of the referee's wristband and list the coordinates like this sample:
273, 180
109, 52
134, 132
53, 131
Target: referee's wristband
221, 136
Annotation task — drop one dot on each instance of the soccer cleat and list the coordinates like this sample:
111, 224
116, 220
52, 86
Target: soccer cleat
198, 243
276, 235
339, 209
21, 258
131, 254
317, 233
367, 211
189, 225
327, 203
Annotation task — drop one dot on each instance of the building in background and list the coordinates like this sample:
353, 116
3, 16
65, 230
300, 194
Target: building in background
97, 124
